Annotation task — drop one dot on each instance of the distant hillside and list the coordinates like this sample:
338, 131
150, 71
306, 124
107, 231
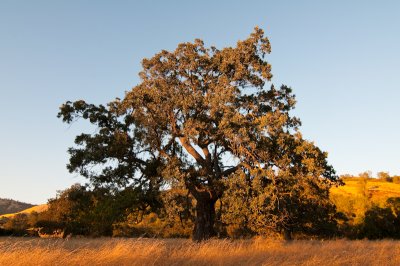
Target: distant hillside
376, 190
38, 208
12, 206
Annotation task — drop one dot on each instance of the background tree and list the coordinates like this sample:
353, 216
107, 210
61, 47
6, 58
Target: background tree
17, 225
384, 176
382, 222
80, 211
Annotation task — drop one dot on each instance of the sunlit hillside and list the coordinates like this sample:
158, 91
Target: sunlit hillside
369, 207
376, 189
38, 208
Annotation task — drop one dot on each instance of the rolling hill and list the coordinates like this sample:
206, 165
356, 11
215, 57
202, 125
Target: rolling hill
38, 208
12, 206
376, 190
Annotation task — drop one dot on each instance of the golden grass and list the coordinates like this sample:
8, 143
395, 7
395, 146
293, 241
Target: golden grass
107, 251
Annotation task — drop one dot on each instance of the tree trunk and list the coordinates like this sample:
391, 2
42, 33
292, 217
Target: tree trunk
287, 234
205, 217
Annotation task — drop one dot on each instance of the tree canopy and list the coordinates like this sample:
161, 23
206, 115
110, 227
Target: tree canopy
205, 118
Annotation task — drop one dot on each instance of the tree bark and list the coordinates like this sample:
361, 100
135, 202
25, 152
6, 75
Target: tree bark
205, 218
287, 234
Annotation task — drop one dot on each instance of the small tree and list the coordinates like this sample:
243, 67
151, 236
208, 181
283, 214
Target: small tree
78, 210
384, 176
17, 224
396, 179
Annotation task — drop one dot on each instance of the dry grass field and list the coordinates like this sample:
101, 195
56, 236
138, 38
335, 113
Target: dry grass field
107, 251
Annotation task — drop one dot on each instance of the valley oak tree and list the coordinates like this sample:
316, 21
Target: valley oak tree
202, 116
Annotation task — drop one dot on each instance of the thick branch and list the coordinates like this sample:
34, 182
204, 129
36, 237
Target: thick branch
192, 151
207, 154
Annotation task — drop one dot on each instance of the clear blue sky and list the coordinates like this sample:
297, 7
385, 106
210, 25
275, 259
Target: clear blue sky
341, 58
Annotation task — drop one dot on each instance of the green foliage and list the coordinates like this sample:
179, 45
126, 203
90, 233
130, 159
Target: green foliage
178, 212
151, 225
17, 225
382, 222
286, 200
368, 212
175, 219
113, 158
84, 212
